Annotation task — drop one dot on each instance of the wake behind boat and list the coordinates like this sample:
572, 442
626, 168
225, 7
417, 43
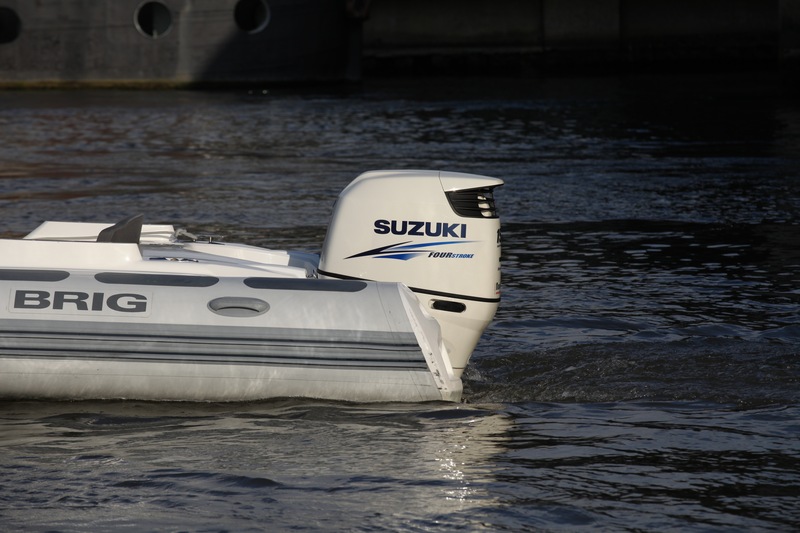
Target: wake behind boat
391, 310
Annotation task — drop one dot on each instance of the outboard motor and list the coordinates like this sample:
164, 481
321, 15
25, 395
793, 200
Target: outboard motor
436, 232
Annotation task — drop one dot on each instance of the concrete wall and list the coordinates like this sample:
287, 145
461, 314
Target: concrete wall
627, 31
580, 24
306, 40
396, 24
790, 26
202, 41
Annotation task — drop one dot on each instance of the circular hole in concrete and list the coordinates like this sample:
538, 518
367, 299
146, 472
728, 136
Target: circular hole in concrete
251, 16
10, 25
153, 19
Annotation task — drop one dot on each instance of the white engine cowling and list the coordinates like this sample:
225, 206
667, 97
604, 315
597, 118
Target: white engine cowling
436, 232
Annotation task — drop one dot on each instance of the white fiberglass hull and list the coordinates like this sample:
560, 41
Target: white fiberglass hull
66, 379
106, 335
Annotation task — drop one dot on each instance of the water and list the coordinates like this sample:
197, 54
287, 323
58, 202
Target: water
642, 372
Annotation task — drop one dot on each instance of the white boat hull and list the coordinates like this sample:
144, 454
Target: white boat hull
363, 345
131, 311
68, 379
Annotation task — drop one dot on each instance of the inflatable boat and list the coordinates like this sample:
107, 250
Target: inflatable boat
391, 309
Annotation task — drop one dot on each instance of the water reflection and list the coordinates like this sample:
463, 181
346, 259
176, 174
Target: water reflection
127, 457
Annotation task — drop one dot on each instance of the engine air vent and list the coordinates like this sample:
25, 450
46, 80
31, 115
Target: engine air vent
473, 203
449, 306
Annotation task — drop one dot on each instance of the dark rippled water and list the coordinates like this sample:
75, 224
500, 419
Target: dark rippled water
642, 373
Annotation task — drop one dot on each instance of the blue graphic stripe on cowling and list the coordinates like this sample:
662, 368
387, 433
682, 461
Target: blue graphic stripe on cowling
442, 243
401, 257
403, 251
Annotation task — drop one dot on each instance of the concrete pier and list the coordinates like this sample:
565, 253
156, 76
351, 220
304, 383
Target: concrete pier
188, 42
172, 42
